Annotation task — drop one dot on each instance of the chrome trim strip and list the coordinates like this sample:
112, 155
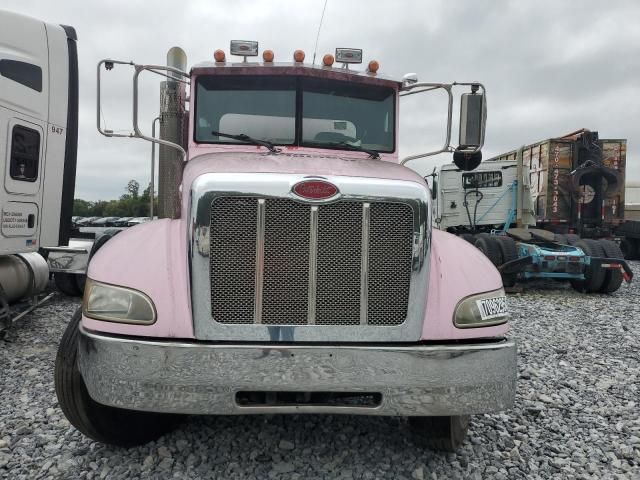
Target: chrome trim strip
364, 264
313, 264
203, 378
207, 187
257, 309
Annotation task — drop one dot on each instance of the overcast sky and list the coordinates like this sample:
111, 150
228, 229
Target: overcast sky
550, 67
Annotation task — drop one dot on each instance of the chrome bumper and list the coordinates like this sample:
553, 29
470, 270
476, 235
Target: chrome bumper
203, 378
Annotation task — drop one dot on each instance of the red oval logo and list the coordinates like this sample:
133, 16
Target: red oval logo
315, 189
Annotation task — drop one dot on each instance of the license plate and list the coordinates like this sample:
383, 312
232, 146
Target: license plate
492, 307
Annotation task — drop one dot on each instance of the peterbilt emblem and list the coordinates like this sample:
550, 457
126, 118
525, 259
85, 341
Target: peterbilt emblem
315, 189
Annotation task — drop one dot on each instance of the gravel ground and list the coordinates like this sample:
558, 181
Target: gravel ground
576, 413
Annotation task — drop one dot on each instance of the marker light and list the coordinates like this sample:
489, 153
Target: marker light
348, 55
328, 60
373, 66
298, 56
267, 56
219, 56
245, 48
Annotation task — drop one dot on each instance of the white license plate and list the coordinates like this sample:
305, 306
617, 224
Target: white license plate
492, 307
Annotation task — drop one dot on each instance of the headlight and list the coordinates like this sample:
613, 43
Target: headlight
117, 304
482, 310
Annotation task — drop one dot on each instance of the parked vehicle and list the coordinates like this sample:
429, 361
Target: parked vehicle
494, 208
578, 187
38, 138
293, 269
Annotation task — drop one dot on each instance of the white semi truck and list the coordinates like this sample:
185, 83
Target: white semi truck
38, 145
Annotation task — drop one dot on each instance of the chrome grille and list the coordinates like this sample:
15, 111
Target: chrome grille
338, 279
390, 234
276, 261
232, 259
286, 263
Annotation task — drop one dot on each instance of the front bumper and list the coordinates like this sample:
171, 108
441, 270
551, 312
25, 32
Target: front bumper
204, 378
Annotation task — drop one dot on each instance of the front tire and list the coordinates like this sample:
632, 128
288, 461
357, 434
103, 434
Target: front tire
115, 426
440, 433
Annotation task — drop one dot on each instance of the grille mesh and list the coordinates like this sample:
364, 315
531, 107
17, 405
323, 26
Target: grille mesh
286, 263
232, 259
286, 260
390, 250
339, 246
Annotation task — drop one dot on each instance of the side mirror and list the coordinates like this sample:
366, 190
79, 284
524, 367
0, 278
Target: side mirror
472, 119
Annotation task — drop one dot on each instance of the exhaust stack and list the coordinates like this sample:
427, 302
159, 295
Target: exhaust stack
173, 122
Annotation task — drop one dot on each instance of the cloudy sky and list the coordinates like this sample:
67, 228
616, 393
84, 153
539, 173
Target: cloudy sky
550, 67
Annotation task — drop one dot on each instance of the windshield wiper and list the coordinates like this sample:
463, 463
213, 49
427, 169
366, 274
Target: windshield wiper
247, 139
374, 154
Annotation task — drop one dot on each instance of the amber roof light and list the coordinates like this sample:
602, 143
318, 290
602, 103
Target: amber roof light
219, 56
298, 56
267, 56
373, 66
328, 60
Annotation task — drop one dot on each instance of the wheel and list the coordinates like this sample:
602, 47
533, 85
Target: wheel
489, 246
572, 238
613, 278
629, 248
594, 278
67, 283
440, 433
468, 237
115, 426
509, 252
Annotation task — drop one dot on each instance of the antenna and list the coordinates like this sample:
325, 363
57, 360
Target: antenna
315, 50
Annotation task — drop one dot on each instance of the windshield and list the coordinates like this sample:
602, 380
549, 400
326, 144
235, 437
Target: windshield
331, 113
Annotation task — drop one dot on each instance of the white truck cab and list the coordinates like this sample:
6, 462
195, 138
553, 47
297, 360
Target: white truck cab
38, 143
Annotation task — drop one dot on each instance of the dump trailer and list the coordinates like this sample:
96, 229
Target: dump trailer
578, 187
492, 208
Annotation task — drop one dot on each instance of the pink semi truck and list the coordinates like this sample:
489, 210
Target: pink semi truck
293, 269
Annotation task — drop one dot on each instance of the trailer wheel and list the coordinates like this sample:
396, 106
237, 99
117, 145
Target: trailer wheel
440, 433
490, 247
613, 278
67, 283
509, 252
594, 278
116, 426
629, 248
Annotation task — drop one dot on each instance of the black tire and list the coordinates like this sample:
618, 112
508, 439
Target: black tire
67, 283
594, 278
509, 252
629, 248
440, 433
115, 426
572, 238
468, 237
489, 246
613, 278
562, 239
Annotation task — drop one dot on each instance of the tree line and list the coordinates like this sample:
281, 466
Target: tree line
130, 204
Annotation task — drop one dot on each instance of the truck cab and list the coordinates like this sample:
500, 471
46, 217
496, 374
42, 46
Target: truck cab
38, 140
293, 269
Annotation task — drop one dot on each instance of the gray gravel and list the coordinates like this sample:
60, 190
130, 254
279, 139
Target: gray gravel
576, 413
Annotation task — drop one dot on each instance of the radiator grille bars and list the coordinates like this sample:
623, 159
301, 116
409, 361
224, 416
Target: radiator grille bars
280, 262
